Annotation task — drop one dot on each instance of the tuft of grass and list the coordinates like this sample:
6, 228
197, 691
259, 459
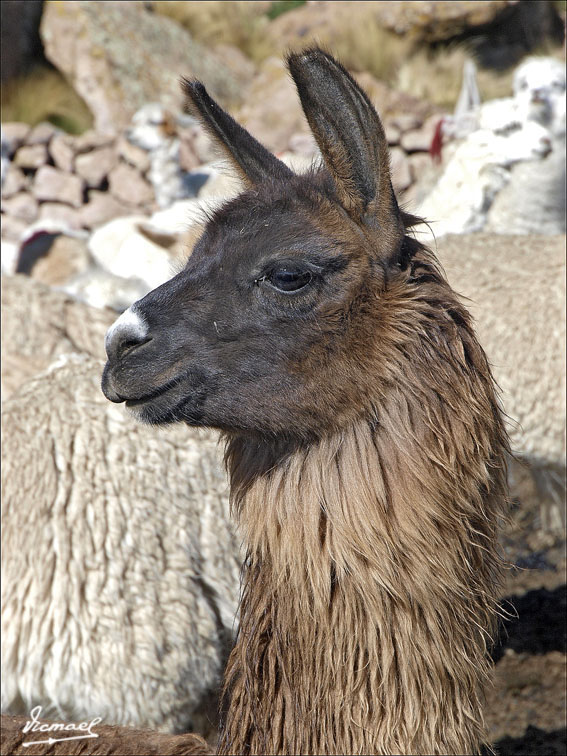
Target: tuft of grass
239, 23
438, 76
282, 6
354, 35
43, 94
368, 47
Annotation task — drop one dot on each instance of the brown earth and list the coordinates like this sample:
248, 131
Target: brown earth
526, 708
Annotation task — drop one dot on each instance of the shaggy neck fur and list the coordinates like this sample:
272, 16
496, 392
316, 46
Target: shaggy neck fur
370, 584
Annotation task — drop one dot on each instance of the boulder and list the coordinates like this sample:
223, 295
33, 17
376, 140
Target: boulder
31, 157
53, 185
119, 248
129, 186
405, 122
95, 166
14, 135
62, 152
57, 211
100, 289
238, 62
91, 140
434, 21
66, 257
101, 208
392, 133
180, 216
14, 181
194, 138
496, 30
41, 134
134, 155
401, 174
120, 55
419, 140
12, 228
400, 109
22, 205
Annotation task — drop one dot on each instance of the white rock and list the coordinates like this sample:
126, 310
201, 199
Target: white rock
99, 288
120, 248
14, 181
128, 185
13, 135
9, 252
53, 185
182, 214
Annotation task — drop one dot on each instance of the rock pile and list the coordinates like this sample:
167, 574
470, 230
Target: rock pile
85, 181
119, 56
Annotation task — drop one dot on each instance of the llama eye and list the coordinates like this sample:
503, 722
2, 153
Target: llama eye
289, 279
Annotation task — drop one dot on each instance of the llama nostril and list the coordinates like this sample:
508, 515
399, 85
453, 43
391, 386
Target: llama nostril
123, 343
128, 333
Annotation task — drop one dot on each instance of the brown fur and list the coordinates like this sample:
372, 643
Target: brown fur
370, 585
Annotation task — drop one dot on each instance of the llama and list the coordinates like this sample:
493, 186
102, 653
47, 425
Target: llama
505, 148
363, 436
364, 441
120, 567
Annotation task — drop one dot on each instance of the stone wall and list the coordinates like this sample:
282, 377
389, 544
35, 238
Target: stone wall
85, 181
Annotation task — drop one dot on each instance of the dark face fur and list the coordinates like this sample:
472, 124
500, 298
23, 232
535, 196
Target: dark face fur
267, 329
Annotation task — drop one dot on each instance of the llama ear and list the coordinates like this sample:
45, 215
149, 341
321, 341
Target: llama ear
253, 161
349, 134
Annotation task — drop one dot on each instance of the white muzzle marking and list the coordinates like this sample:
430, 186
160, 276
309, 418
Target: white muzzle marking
129, 322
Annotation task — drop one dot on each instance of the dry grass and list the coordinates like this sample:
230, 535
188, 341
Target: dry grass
362, 46
44, 95
355, 38
437, 77
351, 32
239, 23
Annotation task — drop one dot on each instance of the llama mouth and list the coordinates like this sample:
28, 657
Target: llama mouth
153, 394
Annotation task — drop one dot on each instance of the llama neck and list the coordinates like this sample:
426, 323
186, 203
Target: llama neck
369, 588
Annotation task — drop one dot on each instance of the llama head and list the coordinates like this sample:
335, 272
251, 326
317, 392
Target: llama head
539, 92
270, 325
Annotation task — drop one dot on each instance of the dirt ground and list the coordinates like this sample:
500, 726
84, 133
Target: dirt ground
526, 709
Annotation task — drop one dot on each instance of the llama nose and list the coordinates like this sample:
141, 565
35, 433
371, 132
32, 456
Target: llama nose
128, 333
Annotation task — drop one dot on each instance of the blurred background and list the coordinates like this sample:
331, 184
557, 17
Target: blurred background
104, 180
